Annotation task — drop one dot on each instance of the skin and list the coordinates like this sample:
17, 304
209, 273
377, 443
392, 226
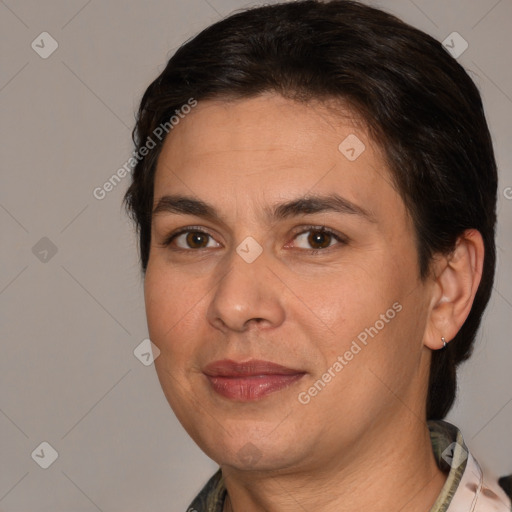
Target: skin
362, 442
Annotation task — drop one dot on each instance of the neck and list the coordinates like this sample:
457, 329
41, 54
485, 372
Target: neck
392, 468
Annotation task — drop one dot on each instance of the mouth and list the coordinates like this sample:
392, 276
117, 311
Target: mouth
249, 380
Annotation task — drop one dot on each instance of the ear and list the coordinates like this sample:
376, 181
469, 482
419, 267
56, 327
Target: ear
456, 280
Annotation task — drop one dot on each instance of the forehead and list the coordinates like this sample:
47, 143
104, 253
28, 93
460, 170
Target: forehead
261, 123
270, 147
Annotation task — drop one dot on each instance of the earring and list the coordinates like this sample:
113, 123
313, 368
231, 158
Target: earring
444, 342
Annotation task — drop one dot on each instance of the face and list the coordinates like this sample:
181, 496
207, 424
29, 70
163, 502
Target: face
282, 286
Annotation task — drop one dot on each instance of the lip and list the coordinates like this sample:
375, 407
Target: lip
253, 367
249, 380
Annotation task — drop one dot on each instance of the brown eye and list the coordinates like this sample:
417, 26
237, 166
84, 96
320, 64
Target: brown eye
196, 239
319, 239
188, 239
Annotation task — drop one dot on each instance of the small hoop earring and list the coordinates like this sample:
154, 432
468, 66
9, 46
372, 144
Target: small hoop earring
444, 342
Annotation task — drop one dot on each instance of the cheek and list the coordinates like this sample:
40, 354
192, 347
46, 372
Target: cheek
158, 302
363, 307
347, 298
170, 306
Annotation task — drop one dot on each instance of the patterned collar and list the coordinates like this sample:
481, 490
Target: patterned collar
466, 488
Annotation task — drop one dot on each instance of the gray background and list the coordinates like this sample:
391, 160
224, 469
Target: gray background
70, 321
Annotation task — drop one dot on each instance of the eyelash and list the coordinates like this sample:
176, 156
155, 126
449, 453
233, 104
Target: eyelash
322, 229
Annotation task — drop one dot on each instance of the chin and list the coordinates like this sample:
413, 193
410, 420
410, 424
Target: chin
253, 447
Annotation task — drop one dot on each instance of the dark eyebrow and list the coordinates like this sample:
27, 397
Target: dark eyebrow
179, 204
318, 204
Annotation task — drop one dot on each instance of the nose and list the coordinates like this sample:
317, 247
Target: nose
247, 294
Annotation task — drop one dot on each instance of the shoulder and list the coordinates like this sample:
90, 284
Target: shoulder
467, 488
479, 491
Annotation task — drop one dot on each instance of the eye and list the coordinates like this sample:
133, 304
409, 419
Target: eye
319, 238
190, 238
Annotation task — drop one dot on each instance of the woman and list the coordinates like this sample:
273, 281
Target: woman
315, 198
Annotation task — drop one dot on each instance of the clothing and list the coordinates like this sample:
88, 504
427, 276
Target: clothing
466, 489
